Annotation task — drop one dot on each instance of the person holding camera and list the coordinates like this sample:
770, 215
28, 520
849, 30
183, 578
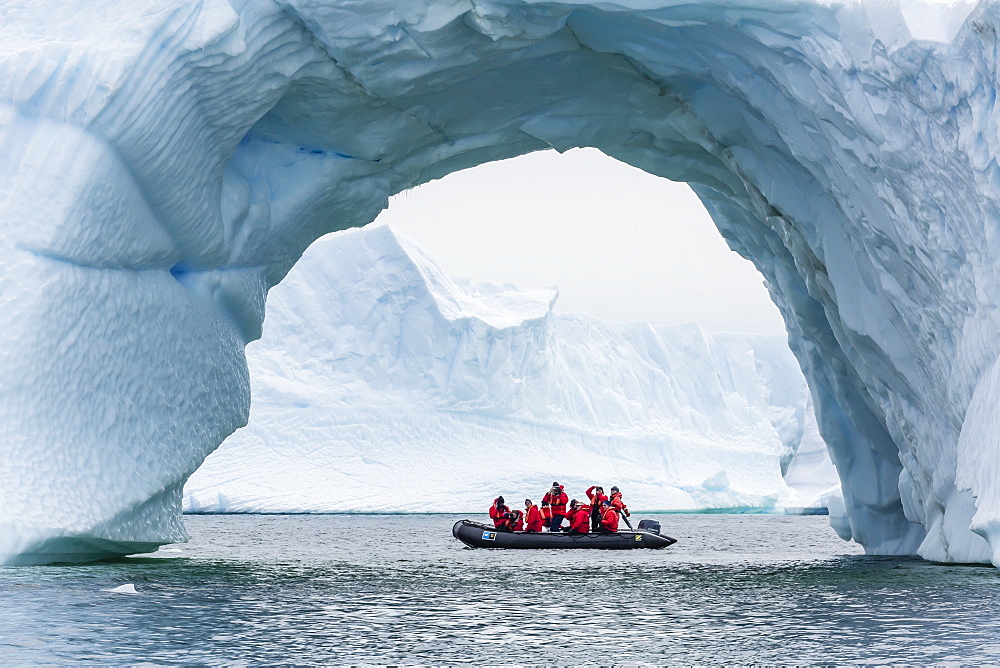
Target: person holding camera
556, 499
597, 500
500, 514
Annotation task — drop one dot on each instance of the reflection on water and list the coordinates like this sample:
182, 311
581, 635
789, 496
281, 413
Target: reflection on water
400, 589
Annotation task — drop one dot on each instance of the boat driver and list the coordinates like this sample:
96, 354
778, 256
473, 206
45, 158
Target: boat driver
616, 501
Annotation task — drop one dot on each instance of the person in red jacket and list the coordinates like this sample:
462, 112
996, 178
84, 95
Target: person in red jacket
571, 511
609, 519
579, 518
532, 517
499, 513
516, 521
617, 503
597, 500
557, 500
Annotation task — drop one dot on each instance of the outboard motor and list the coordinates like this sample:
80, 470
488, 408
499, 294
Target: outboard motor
649, 526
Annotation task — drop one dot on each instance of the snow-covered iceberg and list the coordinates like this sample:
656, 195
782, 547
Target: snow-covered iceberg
163, 166
382, 385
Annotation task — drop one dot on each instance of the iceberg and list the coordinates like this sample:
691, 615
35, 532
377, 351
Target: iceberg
162, 168
381, 385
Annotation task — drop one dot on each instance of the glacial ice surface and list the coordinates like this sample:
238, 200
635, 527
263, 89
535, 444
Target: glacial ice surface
163, 166
382, 385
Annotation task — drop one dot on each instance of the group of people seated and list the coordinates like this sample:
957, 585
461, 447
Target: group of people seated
599, 515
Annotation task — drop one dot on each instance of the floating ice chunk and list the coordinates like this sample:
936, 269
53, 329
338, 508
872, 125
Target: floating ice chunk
839, 520
123, 589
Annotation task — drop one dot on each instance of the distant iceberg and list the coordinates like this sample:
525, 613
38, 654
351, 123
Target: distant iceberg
380, 385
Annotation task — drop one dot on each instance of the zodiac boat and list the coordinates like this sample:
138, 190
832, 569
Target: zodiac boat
475, 534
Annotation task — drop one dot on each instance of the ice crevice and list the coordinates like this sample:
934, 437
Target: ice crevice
848, 149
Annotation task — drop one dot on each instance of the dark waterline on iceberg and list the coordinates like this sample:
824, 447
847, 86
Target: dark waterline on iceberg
400, 589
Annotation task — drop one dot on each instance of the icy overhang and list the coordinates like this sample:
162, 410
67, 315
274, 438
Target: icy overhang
161, 169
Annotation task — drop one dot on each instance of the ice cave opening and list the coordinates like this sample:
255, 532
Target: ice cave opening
847, 149
438, 365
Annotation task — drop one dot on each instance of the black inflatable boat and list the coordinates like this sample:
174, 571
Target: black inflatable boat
475, 534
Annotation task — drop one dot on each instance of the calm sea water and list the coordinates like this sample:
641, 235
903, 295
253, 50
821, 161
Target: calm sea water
399, 589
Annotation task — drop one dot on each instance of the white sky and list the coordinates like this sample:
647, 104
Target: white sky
619, 243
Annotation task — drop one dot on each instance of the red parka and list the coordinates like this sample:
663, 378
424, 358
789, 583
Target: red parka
533, 519
557, 502
610, 519
618, 504
516, 522
580, 521
595, 499
499, 515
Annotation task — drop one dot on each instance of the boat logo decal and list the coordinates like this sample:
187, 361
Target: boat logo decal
638, 536
489, 535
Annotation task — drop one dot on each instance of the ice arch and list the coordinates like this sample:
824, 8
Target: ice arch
161, 169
